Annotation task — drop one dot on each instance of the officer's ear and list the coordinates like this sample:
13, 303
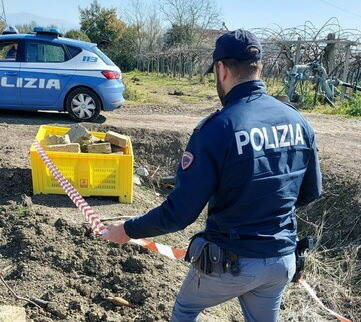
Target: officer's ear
222, 71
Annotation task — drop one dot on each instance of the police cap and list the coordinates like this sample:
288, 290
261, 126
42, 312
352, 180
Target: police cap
236, 44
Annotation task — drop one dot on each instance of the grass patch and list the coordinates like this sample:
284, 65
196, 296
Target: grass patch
153, 88
22, 211
347, 108
157, 89
352, 107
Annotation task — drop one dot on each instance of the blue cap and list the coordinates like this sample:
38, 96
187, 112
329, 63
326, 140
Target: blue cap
236, 44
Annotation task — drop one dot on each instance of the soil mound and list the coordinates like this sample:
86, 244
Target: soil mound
68, 266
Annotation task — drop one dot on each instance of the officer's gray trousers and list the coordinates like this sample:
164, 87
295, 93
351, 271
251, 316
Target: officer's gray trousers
259, 288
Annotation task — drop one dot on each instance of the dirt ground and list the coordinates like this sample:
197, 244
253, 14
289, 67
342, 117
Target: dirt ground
48, 252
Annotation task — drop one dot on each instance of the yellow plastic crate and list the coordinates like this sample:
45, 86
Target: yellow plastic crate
91, 174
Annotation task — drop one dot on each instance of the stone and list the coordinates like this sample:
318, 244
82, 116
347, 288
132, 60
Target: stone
26, 201
85, 142
10, 313
176, 92
103, 147
116, 139
142, 172
78, 133
117, 149
92, 139
56, 139
71, 147
136, 180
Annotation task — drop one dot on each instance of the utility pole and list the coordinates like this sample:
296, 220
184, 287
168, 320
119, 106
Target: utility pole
2, 13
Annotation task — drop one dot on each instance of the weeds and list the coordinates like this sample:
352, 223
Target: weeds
352, 107
346, 108
23, 211
153, 88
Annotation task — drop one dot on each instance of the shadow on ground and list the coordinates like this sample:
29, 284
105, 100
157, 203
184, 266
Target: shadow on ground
63, 201
39, 118
14, 182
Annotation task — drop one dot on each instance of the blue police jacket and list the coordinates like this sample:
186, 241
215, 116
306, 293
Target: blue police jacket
255, 161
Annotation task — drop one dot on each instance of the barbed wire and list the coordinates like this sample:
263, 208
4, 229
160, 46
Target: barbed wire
282, 48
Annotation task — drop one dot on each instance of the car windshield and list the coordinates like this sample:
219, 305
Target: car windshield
104, 57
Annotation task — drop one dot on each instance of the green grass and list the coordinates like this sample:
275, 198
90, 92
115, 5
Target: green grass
352, 107
22, 211
150, 88
154, 89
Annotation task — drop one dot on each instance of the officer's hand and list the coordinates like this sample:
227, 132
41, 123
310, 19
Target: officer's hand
116, 234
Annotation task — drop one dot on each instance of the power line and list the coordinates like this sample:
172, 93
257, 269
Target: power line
340, 8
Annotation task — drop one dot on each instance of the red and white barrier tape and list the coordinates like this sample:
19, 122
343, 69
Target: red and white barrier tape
95, 224
92, 218
99, 228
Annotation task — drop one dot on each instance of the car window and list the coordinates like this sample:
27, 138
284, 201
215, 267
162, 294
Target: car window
42, 52
8, 51
74, 51
104, 57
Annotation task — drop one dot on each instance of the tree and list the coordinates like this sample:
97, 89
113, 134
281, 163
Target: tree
77, 34
26, 28
145, 20
101, 25
191, 19
123, 51
178, 35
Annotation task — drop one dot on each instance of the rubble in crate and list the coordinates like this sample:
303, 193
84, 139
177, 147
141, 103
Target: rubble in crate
86, 142
70, 147
103, 147
78, 133
80, 140
56, 139
116, 139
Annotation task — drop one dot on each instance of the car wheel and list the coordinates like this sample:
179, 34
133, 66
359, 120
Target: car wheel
83, 104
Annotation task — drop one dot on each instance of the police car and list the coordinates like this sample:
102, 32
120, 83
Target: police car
44, 71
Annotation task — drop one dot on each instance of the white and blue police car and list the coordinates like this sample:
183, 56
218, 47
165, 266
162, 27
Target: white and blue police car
44, 71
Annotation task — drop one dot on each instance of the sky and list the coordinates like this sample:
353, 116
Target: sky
235, 13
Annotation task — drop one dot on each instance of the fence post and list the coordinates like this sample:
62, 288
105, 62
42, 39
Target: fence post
346, 67
298, 51
347, 62
330, 53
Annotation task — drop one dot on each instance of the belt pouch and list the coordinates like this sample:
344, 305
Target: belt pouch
216, 257
197, 255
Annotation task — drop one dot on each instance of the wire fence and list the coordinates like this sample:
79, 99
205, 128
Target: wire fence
337, 49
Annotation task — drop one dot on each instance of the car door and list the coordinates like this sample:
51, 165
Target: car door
9, 73
43, 78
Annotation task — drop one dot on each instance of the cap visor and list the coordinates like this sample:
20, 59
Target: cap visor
209, 69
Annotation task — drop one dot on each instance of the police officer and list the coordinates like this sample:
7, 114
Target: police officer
255, 161
12, 52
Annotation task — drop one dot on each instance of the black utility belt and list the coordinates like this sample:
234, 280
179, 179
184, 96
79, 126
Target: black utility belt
207, 257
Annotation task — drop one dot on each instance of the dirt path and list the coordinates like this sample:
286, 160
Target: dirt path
338, 138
